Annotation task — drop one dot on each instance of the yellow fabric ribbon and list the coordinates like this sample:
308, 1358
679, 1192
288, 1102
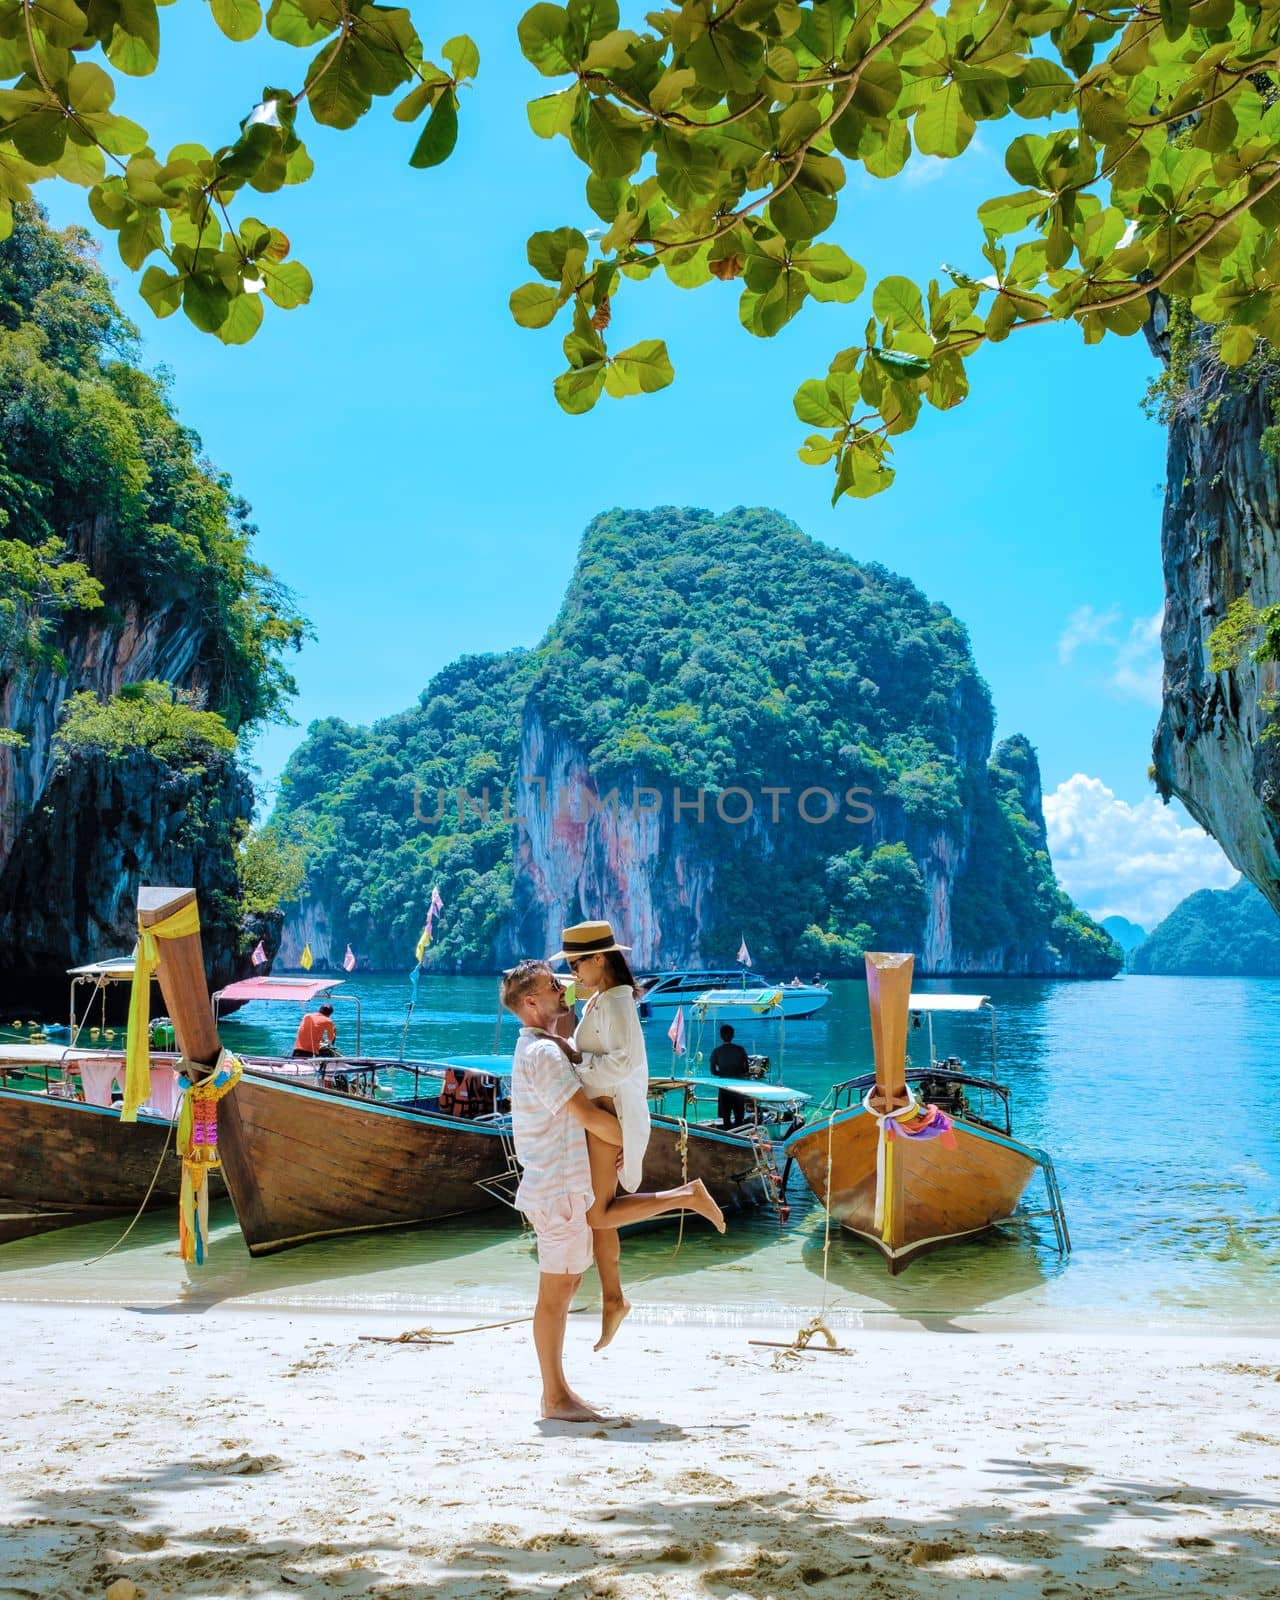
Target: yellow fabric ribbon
137, 1060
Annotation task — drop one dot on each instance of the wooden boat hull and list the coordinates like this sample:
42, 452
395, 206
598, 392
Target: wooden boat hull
303, 1163
726, 1162
63, 1163
938, 1194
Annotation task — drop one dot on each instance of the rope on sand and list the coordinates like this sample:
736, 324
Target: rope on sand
817, 1324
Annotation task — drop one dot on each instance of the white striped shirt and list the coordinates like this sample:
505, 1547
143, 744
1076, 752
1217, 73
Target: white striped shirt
551, 1146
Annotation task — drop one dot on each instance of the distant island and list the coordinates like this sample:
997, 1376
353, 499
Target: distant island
1214, 933
1128, 935
729, 729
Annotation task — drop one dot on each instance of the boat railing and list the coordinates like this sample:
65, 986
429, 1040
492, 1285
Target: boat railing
989, 1103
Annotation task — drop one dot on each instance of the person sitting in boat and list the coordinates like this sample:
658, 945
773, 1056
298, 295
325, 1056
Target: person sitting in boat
730, 1060
317, 1035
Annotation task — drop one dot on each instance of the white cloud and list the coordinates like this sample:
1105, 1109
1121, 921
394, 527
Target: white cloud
1086, 626
1133, 669
1136, 670
1135, 861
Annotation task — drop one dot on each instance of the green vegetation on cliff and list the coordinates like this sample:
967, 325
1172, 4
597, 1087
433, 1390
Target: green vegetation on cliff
105, 498
1214, 933
714, 654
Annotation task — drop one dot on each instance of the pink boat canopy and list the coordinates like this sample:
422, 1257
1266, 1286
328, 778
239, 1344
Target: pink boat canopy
296, 990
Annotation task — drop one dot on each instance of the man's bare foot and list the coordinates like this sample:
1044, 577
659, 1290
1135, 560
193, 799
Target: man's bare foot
701, 1202
569, 1408
611, 1319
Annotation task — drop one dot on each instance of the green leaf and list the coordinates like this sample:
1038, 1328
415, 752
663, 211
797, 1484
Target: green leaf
551, 114
615, 142
543, 34
293, 22
801, 213
462, 55
206, 301
1011, 213
337, 97
534, 305
578, 389
287, 285
942, 126
831, 274
815, 404
641, 369
897, 302
139, 237
765, 314
900, 363
61, 22
134, 46
611, 52
1175, 15
243, 320
1236, 345
440, 134
878, 88
82, 164
551, 253
161, 290
238, 19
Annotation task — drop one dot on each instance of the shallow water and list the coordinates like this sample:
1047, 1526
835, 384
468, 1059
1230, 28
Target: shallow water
1154, 1096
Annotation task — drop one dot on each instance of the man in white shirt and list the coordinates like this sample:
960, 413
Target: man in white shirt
550, 1112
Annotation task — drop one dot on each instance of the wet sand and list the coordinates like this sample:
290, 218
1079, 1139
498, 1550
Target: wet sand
229, 1452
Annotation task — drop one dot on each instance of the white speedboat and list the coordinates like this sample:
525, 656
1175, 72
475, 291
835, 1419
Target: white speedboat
736, 994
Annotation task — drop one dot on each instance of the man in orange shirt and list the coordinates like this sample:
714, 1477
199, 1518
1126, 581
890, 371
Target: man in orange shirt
316, 1033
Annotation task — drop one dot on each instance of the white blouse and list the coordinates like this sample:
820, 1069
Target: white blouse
616, 1064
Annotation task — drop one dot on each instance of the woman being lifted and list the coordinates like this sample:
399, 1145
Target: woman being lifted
609, 1057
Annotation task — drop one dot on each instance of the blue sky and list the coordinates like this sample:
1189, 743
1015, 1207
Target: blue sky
417, 486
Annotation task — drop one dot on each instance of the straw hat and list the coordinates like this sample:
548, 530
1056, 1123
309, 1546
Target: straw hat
587, 939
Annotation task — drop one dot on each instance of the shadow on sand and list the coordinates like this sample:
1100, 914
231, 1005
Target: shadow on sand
816, 1541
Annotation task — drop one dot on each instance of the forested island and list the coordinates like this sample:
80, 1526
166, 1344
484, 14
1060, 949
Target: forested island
1214, 933
731, 657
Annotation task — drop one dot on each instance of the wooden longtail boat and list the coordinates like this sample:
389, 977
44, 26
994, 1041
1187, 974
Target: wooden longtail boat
305, 1161
884, 1164
64, 1163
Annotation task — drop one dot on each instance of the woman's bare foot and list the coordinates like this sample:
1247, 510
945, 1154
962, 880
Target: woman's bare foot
569, 1407
701, 1202
611, 1319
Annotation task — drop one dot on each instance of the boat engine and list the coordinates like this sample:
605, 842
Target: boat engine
938, 1089
757, 1066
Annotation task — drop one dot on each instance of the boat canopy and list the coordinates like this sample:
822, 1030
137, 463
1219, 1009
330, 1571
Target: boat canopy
292, 991
116, 969
748, 1088
492, 1066
948, 1002
296, 990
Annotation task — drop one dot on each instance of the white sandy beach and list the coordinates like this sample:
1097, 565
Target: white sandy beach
269, 1453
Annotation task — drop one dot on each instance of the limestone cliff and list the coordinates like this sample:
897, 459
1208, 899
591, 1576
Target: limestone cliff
729, 729
125, 558
1220, 541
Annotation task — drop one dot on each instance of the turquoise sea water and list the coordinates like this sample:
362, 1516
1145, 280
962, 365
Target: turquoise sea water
1156, 1097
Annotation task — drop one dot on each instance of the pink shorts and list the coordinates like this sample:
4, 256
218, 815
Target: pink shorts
564, 1235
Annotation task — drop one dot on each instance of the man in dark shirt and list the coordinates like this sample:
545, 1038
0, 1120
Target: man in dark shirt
729, 1060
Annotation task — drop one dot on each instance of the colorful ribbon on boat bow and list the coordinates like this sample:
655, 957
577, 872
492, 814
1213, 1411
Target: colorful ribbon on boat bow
934, 1124
198, 1147
137, 1060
